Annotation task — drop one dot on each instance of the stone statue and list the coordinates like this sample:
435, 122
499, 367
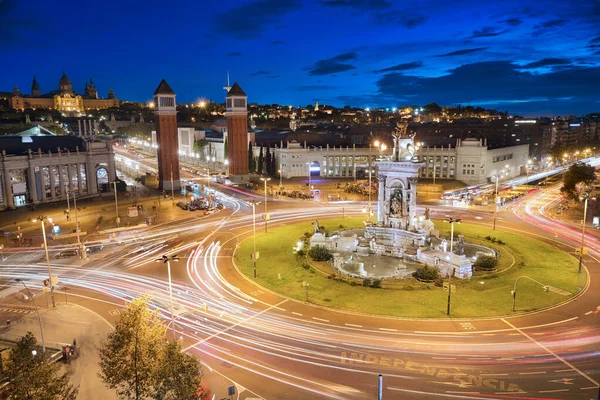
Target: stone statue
403, 143
396, 206
460, 245
317, 227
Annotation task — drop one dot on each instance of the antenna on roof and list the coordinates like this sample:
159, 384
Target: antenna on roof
228, 87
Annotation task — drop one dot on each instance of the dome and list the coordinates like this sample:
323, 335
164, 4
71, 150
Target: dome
64, 80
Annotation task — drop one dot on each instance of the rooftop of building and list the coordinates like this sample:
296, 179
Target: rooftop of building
164, 88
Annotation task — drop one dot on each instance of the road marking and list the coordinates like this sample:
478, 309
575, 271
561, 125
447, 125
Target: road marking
388, 330
590, 387
444, 358
493, 374
296, 313
552, 353
321, 319
467, 326
532, 373
554, 391
355, 326
588, 313
496, 330
563, 370
233, 326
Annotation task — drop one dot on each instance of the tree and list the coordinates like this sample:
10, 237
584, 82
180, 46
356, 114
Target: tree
250, 158
274, 168
178, 375
139, 362
320, 253
268, 163
578, 175
128, 356
486, 263
199, 146
426, 273
259, 166
34, 376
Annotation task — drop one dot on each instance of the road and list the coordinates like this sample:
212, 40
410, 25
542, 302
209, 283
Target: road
272, 347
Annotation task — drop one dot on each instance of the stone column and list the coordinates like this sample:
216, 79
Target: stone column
9, 200
412, 198
31, 183
79, 185
92, 182
380, 200
61, 182
347, 164
70, 177
52, 181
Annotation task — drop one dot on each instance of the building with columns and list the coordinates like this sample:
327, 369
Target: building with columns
470, 161
39, 169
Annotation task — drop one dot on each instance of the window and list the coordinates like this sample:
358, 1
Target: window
239, 102
229, 103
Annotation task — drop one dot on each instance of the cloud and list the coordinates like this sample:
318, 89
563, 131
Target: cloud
495, 82
401, 67
462, 52
314, 88
547, 62
249, 20
512, 21
361, 5
547, 25
234, 54
487, 31
333, 65
402, 18
258, 73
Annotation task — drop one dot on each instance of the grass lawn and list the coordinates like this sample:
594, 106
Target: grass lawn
482, 296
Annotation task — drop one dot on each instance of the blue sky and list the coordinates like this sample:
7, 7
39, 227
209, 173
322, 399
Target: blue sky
527, 57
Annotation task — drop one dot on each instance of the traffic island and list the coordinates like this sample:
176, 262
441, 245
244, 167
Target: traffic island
552, 274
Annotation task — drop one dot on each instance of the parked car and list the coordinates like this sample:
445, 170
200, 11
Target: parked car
66, 253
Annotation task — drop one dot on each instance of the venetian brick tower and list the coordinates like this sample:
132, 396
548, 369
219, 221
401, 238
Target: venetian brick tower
166, 137
237, 134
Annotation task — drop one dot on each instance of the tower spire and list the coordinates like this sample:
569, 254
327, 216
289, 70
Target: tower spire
228, 87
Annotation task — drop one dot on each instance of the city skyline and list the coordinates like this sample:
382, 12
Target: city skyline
526, 58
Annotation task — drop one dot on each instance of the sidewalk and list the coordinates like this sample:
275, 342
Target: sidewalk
61, 325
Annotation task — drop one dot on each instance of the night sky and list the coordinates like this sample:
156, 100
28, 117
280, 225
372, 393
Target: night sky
527, 57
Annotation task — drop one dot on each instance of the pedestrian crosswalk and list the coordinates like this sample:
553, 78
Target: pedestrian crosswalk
15, 310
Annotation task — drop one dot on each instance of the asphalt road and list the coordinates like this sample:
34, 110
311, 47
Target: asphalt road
272, 347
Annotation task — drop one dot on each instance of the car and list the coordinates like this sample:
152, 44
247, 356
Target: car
93, 248
66, 253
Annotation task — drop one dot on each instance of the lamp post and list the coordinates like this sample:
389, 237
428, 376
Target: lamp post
116, 205
514, 291
68, 202
82, 252
254, 255
496, 201
167, 260
266, 216
586, 197
37, 311
42, 219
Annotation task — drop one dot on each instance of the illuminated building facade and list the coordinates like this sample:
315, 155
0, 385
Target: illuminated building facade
64, 99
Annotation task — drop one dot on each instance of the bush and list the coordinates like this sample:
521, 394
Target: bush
376, 283
486, 263
366, 282
353, 283
500, 242
320, 253
426, 273
301, 252
306, 266
439, 282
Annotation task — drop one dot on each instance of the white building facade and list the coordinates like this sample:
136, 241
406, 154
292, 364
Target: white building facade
470, 161
43, 177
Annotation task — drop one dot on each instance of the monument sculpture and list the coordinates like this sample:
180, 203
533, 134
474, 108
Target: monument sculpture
399, 232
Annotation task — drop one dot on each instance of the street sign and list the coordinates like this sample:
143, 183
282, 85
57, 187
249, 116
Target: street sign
266, 217
446, 287
132, 211
255, 256
585, 251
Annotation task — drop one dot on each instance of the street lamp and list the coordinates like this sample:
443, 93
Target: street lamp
41, 218
496, 201
514, 291
37, 311
116, 205
527, 168
266, 216
167, 260
586, 196
452, 221
82, 252
254, 255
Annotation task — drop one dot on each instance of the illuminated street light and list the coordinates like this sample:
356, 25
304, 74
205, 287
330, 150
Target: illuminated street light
42, 219
167, 260
266, 216
38, 313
